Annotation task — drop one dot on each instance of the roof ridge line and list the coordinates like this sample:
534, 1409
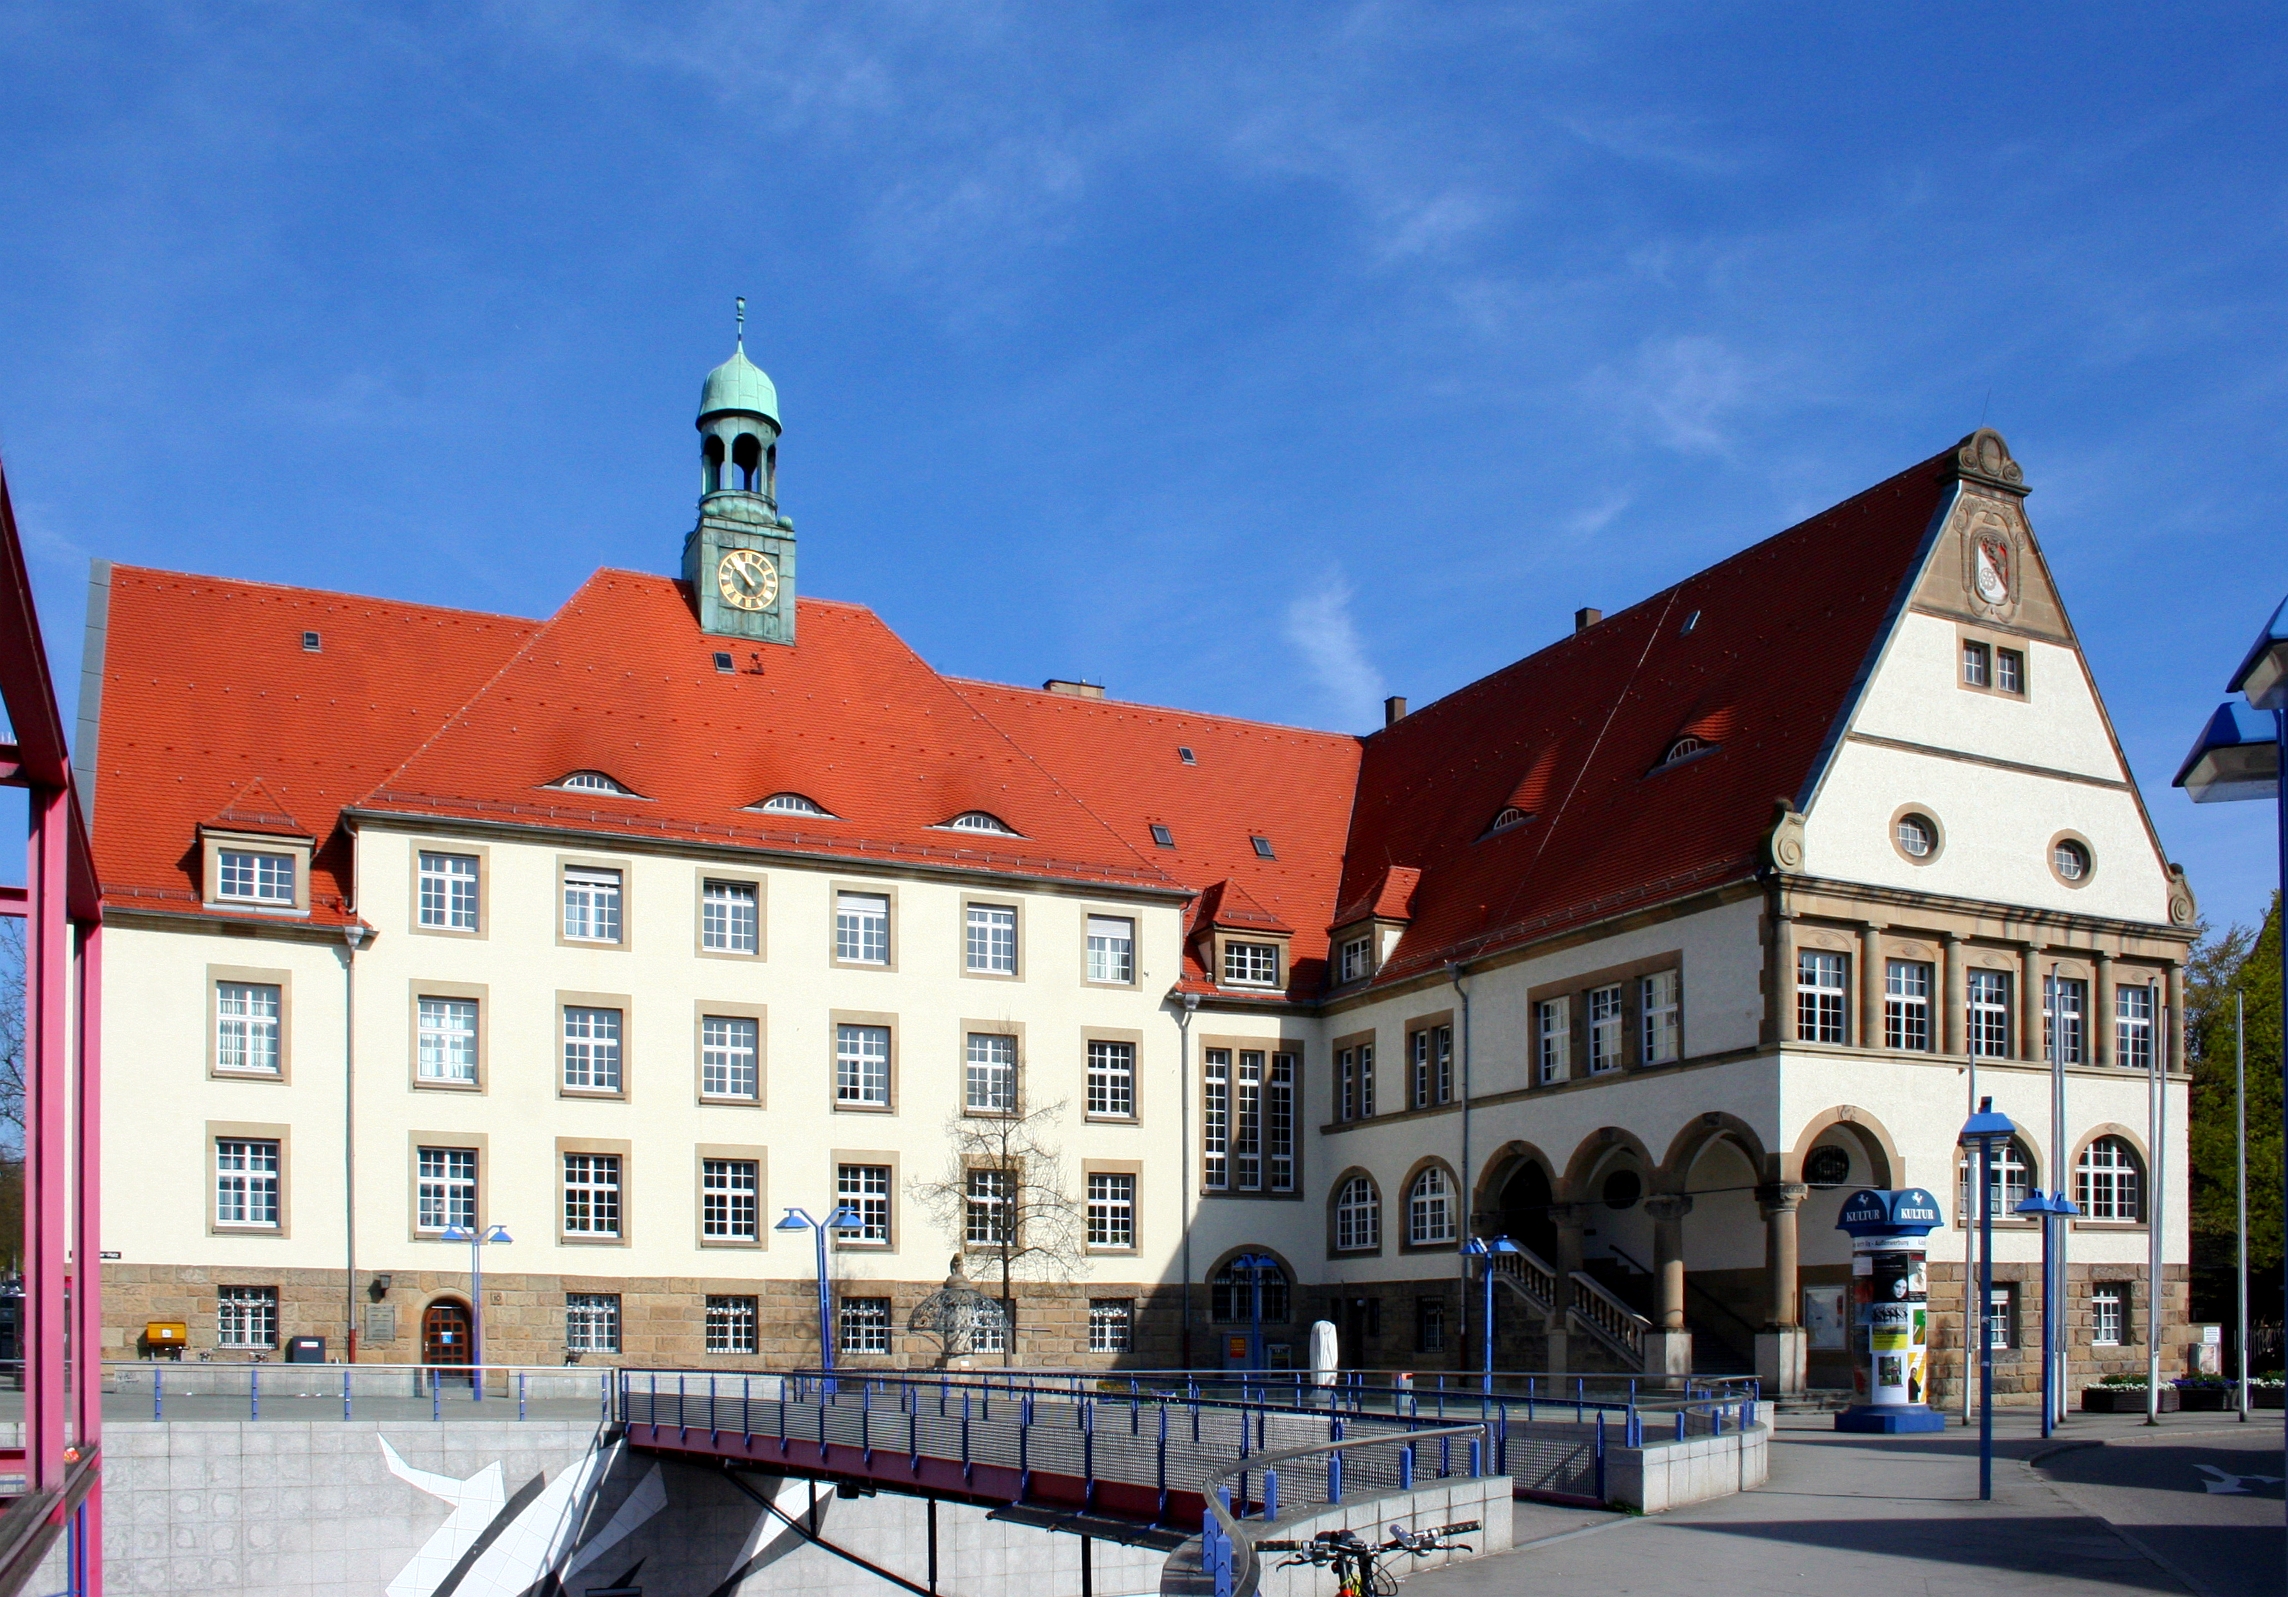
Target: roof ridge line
331, 593
1167, 709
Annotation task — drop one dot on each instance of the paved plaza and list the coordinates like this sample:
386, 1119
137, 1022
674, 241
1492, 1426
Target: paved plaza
2108, 1505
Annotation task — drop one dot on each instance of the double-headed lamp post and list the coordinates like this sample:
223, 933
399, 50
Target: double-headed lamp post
1484, 1249
844, 1218
1983, 1130
2243, 754
478, 1240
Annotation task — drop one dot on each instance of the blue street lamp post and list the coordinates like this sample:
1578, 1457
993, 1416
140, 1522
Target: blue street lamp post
1485, 1248
2053, 1209
1983, 1128
1255, 1264
477, 1241
844, 1218
2243, 754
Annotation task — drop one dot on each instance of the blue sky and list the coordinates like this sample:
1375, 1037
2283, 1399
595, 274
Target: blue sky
1256, 358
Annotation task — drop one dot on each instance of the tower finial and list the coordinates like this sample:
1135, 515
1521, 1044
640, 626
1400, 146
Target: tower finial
741, 302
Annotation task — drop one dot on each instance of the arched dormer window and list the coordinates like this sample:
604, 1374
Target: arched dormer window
593, 782
1510, 816
1683, 749
794, 804
981, 821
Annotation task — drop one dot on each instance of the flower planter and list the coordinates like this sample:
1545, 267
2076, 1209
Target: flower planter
2203, 1399
2266, 1396
2123, 1400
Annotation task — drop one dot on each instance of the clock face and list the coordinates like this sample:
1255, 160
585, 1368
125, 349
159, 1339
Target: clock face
747, 580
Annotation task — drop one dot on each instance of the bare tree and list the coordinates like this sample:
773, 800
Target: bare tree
11, 1037
1003, 1198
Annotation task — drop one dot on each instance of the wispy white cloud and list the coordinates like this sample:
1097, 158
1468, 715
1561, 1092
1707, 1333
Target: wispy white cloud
1320, 627
1684, 391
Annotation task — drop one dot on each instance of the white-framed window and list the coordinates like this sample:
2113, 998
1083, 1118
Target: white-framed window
2001, 1319
1247, 1122
989, 1085
1358, 1216
1977, 664
1820, 992
862, 928
1215, 1119
2133, 1027
254, 878
865, 1188
2065, 1010
1279, 1122
1604, 1005
981, 821
1430, 1072
2010, 670
1111, 949
1430, 1209
1346, 1084
246, 1027
246, 1316
1553, 1038
591, 1049
1660, 1009
448, 891
795, 804
591, 904
592, 1194
863, 1325
591, 1322
2107, 1181
728, 1046
2108, 1313
730, 1323
1356, 959
594, 782
986, 1208
1111, 1210
728, 921
1987, 993
862, 1064
445, 1189
1251, 964
991, 947
1366, 1081
448, 1039
1111, 1325
2012, 1181
727, 1200
246, 1182
1907, 1005
1112, 1079
1916, 835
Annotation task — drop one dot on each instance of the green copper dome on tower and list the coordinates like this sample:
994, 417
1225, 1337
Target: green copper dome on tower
738, 384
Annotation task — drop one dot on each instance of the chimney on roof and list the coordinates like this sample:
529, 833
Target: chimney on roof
1079, 690
1585, 618
1393, 710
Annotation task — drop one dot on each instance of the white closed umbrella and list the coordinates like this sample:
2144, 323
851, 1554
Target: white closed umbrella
1325, 1354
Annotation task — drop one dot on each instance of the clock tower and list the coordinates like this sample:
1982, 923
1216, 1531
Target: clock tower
739, 559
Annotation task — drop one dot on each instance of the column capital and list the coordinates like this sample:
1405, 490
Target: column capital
1567, 1214
1778, 1197
1668, 1205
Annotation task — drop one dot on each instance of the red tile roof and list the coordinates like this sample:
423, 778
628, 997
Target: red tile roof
622, 681
214, 713
1575, 734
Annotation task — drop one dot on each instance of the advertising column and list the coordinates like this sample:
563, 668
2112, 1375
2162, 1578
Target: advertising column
1891, 1310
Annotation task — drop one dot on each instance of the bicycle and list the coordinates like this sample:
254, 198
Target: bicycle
1359, 1565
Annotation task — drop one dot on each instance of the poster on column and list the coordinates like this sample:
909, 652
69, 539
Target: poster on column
1898, 1327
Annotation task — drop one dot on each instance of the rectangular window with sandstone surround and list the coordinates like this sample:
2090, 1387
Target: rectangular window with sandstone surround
255, 878
1822, 985
448, 892
591, 1322
1111, 1210
989, 1076
862, 928
727, 1048
1111, 1323
862, 1065
1977, 664
591, 905
1906, 1005
1279, 1122
1553, 1038
1251, 964
1215, 1120
2133, 1027
1112, 1080
1604, 1029
1247, 1123
246, 1027
246, 1183
730, 1324
592, 1194
591, 1049
446, 1189
727, 918
1111, 949
865, 1188
246, 1316
991, 944
1988, 995
448, 1040
1660, 1010
727, 1199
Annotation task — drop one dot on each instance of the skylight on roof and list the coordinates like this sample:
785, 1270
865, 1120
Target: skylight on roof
1509, 817
593, 782
794, 804
1690, 622
1162, 836
310, 643
980, 821
1185, 755
723, 660
1262, 848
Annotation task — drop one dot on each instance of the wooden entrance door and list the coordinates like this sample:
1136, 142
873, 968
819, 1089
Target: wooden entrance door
445, 1333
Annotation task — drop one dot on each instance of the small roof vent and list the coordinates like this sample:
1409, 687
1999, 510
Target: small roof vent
1585, 618
1078, 690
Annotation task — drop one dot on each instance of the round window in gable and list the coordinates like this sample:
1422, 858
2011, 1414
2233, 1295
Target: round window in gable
1915, 835
1827, 1166
2070, 859
1622, 1189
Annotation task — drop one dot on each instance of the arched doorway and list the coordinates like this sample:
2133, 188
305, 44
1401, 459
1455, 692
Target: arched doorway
445, 1333
1525, 1200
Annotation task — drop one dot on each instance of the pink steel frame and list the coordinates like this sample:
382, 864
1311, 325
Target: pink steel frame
62, 1328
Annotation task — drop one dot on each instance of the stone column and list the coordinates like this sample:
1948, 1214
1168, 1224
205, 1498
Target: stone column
1870, 1031
1783, 980
2173, 1053
1782, 1346
2099, 1025
1668, 1345
1570, 1219
2030, 1001
1952, 997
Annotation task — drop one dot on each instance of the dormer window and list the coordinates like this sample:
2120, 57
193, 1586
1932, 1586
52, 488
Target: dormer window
1509, 817
593, 782
1683, 749
1356, 959
254, 878
1251, 964
795, 804
980, 821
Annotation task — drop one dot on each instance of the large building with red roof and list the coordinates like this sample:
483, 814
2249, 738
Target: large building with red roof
617, 934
